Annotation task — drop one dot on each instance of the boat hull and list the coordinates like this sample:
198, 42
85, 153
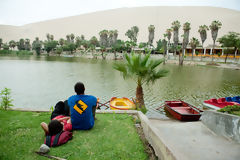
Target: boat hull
182, 111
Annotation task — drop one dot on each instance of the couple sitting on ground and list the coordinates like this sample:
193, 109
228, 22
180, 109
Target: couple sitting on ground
76, 113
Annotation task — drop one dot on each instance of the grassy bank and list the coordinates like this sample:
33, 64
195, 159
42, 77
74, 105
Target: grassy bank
113, 137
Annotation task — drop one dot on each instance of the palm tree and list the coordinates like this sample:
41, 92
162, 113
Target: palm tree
135, 31
186, 29
110, 38
214, 27
68, 38
27, 44
51, 37
169, 35
72, 37
203, 34
151, 30
115, 35
194, 43
48, 36
37, 45
1, 43
141, 70
12, 44
175, 27
61, 41
103, 38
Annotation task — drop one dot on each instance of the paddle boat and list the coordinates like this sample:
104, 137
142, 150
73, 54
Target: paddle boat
121, 104
233, 99
182, 110
218, 103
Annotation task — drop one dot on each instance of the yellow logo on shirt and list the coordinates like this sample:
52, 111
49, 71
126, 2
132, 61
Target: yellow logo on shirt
80, 106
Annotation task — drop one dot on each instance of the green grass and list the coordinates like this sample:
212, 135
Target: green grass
113, 137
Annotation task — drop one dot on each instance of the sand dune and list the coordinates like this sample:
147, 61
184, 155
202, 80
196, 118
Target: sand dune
124, 18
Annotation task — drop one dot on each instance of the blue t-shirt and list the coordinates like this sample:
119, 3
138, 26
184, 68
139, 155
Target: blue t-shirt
81, 111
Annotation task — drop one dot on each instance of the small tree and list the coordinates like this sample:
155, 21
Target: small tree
142, 70
12, 44
37, 46
21, 44
50, 45
6, 101
194, 43
230, 40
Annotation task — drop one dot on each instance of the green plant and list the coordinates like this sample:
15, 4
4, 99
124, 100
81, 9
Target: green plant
6, 102
142, 69
235, 109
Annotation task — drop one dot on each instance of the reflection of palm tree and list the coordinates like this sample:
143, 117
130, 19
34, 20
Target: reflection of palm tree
175, 26
151, 30
194, 43
214, 27
203, 34
142, 70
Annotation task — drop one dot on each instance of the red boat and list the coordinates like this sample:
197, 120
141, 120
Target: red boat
218, 103
182, 110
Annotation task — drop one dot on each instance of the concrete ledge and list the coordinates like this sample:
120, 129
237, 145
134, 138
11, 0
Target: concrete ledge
150, 132
223, 124
118, 111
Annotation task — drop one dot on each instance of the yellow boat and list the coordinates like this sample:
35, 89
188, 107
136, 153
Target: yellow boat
121, 104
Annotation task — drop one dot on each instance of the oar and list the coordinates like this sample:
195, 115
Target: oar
161, 106
103, 104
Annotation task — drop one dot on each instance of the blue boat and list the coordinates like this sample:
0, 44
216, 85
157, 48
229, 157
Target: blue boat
233, 99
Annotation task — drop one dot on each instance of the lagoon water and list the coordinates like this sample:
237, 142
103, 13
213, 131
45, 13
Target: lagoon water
39, 82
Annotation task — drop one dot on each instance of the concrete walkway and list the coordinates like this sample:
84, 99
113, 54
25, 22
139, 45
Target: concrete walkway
193, 141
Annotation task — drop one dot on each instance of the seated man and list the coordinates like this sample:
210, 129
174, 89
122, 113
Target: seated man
82, 108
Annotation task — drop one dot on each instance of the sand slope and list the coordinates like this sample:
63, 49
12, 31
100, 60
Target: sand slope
124, 18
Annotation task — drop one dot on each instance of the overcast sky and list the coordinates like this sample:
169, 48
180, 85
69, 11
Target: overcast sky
20, 12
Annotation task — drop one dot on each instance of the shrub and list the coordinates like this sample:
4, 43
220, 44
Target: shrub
6, 102
24, 52
235, 109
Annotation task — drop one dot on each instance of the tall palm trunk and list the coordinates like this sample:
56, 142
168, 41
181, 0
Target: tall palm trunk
202, 51
213, 50
139, 96
192, 54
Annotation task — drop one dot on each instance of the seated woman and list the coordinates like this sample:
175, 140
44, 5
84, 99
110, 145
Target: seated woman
60, 120
57, 124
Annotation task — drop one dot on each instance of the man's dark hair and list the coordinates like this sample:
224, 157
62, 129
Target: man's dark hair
54, 127
79, 88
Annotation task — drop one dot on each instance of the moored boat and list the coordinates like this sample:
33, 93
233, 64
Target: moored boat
121, 104
233, 99
182, 110
218, 103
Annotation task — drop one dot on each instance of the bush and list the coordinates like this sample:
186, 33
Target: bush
5, 52
235, 109
24, 52
6, 102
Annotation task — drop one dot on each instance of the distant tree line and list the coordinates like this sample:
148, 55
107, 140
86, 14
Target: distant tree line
108, 42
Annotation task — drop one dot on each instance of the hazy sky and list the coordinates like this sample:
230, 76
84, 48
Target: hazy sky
19, 12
